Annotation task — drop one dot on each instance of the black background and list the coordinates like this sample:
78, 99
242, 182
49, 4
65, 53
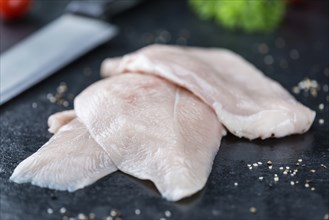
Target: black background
24, 128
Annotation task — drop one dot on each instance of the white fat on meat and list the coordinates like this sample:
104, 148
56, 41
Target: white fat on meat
248, 103
70, 160
153, 130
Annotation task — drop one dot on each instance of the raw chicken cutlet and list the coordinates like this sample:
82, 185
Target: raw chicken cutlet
57, 120
153, 130
248, 103
167, 130
70, 160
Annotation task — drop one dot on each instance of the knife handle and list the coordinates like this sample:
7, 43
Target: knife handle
100, 9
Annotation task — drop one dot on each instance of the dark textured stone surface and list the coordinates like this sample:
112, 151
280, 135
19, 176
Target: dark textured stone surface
24, 129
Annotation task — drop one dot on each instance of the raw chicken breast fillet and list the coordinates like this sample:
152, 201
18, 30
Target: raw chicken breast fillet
70, 160
57, 120
153, 130
248, 103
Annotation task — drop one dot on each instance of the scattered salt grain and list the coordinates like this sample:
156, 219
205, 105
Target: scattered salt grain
50, 211
137, 212
113, 213
82, 216
65, 103
168, 213
92, 216
253, 210
62, 210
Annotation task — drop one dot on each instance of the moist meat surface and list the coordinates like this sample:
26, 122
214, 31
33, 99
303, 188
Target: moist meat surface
153, 130
248, 103
162, 120
70, 160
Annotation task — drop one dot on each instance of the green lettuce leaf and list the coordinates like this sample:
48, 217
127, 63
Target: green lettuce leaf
248, 15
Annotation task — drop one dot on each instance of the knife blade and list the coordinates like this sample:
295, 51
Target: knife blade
60, 42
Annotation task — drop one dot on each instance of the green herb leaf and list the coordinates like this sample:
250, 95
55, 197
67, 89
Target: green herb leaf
248, 15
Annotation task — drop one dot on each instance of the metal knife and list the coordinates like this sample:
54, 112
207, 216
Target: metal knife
76, 32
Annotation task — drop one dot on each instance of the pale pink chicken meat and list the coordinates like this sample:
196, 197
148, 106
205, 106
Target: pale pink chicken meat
70, 160
167, 130
57, 120
248, 103
153, 130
